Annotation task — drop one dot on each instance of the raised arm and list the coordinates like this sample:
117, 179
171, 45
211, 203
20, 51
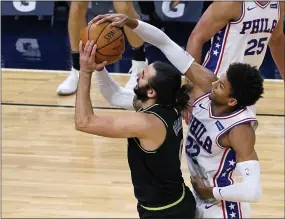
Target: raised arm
183, 61
113, 92
114, 125
217, 15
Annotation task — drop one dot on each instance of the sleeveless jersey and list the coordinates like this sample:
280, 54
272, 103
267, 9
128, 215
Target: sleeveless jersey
244, 40
205, 156
156, 175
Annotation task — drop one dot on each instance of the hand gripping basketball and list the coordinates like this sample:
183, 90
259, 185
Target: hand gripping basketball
109, 39
87, 58
116, 20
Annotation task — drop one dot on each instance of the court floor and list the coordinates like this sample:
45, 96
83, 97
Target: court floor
51, 170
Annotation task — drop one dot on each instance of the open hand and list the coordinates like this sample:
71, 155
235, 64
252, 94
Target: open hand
200, 187
187, 115
117, 20
87, 58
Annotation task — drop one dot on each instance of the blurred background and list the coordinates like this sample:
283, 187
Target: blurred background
38, 38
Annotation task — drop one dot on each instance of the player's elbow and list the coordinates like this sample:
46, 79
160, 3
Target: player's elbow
81, 123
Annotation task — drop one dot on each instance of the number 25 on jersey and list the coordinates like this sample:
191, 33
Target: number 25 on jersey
256, 46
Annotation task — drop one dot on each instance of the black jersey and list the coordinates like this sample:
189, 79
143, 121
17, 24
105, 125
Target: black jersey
156, 175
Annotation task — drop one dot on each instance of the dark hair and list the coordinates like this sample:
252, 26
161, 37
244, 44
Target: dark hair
246, 84
182, 97
167, 84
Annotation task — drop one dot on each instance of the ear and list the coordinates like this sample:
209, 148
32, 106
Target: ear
232, 101
151, 93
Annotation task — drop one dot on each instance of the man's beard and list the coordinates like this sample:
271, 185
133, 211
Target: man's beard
141, 93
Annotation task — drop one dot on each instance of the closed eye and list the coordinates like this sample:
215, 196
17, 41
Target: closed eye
222, 85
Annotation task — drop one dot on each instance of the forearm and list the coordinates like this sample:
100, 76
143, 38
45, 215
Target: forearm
247, 191
83, 105
173, 52
277, 52
113, 92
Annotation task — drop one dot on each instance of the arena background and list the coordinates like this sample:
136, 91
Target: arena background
35, 36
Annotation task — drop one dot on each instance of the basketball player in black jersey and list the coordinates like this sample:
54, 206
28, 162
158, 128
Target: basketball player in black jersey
154, 133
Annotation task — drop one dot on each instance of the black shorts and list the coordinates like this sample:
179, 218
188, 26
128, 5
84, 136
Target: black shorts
184, 210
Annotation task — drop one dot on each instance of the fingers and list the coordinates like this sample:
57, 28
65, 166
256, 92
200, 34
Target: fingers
185, 116
88, 48
93, 52
80, 47
103, 20
117, 24
193, 181
97, 18
101, 65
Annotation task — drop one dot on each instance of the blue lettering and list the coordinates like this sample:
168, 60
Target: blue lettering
208, 145
255, 26
262, 22
192, 150
198, 130
258, 26
267, 29
246, 26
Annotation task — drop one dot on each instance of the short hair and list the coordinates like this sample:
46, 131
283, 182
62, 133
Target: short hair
167, 84
246, 84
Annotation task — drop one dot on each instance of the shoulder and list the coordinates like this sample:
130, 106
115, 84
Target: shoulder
229, 9
227, 4
164, 113
241, 133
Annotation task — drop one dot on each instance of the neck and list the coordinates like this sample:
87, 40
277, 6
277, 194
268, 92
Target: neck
221, 110
262, 2
148, 103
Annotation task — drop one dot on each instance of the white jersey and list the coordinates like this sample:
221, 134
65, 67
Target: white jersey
205, 156
244, 40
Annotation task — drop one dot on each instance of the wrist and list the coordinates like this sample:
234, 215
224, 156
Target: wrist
208, 192
131, 23
85, 74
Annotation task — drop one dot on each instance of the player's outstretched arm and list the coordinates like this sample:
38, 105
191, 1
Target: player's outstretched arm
127, 124
217, 15
277, 42
115, 94
183, 61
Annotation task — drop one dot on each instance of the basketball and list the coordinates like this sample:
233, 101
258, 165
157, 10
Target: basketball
110, 41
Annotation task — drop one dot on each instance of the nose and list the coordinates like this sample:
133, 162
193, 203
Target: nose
139, 74
214, 83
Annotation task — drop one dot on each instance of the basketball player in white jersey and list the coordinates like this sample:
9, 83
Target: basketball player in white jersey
239, 32
221, 134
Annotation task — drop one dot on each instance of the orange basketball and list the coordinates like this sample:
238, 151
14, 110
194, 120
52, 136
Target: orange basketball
110, 41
